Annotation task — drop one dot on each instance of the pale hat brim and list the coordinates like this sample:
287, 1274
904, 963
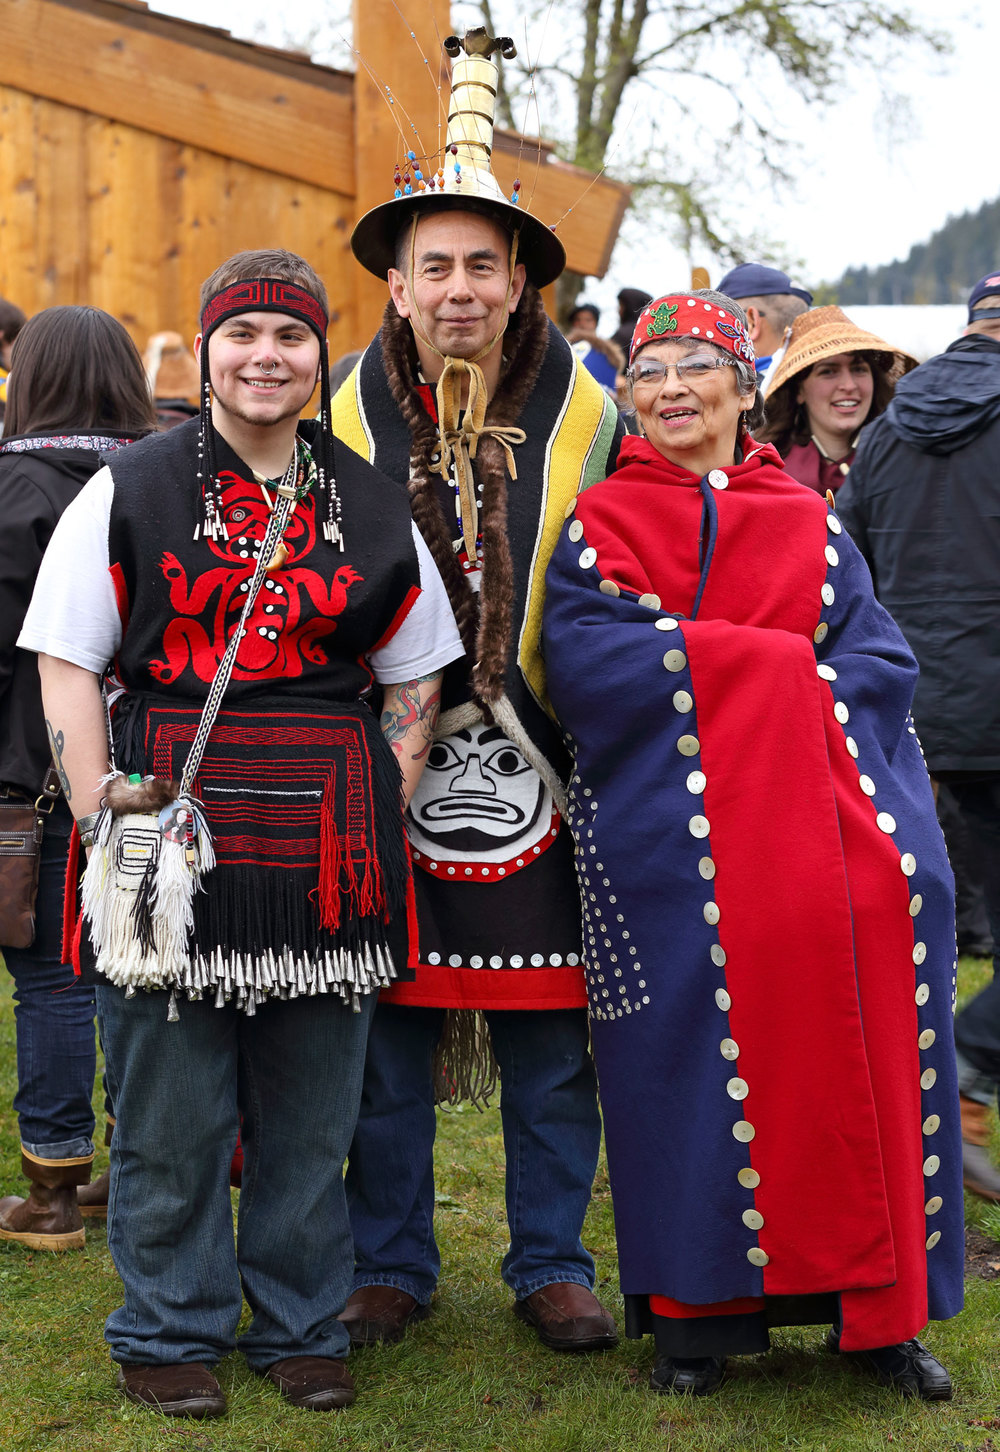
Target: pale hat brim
825, 336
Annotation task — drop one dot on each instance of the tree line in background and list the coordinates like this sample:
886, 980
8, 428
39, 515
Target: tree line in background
940, 270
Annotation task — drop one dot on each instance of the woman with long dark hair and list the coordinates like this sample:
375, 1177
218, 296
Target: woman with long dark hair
77, 391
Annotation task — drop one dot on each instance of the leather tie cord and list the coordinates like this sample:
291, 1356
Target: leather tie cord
459, 434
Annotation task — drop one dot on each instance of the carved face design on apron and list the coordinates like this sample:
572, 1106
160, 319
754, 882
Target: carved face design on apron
478, 800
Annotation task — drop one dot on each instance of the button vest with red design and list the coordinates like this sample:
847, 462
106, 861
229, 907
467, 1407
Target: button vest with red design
316, 616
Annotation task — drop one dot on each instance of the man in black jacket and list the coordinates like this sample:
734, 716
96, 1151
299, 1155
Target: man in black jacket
923, 503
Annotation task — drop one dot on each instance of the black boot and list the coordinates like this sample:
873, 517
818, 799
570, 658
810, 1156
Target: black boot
908, 1366
698, 1376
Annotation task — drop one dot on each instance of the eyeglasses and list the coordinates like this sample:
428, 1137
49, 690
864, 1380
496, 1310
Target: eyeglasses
688, 370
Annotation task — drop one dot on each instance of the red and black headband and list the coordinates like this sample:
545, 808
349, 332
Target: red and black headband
264, 295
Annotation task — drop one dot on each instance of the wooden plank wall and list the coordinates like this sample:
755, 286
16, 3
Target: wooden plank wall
96, 211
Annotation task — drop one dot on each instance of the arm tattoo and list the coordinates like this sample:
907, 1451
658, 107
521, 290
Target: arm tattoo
403, 711
57, 742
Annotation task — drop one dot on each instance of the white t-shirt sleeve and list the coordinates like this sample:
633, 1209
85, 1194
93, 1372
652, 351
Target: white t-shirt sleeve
428, 638
73, 613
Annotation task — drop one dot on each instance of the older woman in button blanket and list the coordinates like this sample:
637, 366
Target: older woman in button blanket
769, 934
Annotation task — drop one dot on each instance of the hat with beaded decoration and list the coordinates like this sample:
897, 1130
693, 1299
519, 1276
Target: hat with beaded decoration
460, 177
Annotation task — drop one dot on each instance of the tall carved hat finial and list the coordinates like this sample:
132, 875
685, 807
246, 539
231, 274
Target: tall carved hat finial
461, 178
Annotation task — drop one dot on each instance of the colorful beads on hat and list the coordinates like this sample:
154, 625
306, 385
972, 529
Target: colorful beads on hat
515, 195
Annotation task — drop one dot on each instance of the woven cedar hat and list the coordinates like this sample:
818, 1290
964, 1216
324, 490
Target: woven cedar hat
823, 333
459, 178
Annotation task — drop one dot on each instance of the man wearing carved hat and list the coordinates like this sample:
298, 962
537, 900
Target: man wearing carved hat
471, 395
922, 501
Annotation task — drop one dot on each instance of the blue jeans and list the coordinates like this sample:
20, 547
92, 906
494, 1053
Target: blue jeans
293, 1071
54, 1017
551, 1130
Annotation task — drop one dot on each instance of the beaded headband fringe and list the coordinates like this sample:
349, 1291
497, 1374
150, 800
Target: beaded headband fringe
266, 295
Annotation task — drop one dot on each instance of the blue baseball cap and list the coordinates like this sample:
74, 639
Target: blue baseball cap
752, 279
987, 286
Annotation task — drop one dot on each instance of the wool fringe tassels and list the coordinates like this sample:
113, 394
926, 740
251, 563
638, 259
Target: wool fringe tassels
152, 847
340, 885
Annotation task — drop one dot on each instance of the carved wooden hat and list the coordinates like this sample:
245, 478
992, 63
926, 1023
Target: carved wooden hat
460, 177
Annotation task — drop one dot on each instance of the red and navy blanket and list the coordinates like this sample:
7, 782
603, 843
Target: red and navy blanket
769, 933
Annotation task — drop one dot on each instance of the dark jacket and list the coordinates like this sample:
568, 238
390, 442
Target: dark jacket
35, 488
922, 502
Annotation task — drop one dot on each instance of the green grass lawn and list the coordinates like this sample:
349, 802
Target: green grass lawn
471, 1378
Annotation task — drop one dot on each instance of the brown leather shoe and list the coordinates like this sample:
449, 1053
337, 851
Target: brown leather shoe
315, 1383
568, 1317
180, 1389
380, 1313
93, 1198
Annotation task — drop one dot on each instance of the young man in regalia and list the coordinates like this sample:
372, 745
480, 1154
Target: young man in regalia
474, 398
253, 527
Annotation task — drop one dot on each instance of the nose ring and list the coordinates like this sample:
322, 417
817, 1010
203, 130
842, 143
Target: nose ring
267, 370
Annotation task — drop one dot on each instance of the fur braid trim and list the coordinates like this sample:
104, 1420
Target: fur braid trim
497, 597
133, 798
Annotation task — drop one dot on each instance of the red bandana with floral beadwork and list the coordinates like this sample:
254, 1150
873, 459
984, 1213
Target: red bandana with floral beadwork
676, 316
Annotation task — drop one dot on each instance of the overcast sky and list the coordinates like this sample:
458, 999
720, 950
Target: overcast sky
868, 190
